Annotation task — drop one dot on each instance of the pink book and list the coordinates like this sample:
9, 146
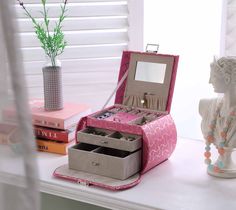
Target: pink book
60, 119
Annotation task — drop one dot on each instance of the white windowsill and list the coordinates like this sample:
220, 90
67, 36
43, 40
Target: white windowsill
179, 183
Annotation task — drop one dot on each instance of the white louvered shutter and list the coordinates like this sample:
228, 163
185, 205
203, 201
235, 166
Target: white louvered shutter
97, 31
228, 47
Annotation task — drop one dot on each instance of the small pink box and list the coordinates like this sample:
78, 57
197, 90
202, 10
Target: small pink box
122, 142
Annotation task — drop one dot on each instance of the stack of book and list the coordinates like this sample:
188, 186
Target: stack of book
54, 130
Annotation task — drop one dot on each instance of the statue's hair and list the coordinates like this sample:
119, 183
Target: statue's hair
226, 67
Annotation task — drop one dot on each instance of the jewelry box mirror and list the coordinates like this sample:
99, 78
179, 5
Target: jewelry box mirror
145, 90
148, 81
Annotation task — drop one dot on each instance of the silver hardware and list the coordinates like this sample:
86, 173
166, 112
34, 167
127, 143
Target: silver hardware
104, 142
83, 183
95, 163
152, 48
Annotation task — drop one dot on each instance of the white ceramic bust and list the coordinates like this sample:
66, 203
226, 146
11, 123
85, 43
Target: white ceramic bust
223, 80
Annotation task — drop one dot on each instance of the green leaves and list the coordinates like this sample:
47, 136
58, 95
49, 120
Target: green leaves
53, 43
43, 2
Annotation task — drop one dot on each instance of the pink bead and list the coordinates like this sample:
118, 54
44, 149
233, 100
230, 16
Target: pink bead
210, 138
207, 154
216, 169
221, 151
223, 134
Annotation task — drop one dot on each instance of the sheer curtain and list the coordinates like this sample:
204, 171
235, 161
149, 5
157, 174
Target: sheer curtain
18, 167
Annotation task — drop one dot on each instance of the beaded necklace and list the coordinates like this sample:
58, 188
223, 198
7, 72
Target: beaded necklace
210, 139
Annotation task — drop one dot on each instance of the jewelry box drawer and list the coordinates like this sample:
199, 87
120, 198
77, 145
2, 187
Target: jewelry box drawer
104, 161
106, 138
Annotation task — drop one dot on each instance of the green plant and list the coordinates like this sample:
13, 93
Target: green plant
53, 43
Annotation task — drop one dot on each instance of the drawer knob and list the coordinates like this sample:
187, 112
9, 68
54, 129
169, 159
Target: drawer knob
104, 142
95, 164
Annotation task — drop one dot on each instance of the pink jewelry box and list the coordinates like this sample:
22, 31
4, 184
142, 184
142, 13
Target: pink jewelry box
118, 144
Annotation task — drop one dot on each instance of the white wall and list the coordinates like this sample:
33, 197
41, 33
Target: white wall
191, 29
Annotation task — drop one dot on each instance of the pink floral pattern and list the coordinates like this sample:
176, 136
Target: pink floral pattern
159, 136
159, 141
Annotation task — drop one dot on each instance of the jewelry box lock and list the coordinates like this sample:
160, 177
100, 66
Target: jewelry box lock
83, 183
144, 101
95, 163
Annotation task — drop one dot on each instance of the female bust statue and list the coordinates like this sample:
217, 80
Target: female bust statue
219, 118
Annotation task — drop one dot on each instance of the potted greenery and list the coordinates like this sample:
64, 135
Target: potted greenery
53, 44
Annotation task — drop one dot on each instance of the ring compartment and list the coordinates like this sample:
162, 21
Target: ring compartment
142, 121
115, 140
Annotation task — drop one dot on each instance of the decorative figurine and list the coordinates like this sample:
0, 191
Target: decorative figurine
219, 118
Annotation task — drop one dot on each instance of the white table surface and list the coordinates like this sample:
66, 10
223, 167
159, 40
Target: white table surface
180, 183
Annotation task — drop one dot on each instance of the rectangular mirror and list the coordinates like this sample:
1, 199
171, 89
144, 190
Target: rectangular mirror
150, 72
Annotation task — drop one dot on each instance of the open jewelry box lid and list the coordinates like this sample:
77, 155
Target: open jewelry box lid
147, 80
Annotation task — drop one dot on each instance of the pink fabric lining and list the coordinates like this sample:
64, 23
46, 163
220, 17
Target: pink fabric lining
159, 141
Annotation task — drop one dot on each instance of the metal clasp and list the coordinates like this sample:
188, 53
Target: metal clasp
85, 183
95, 163
152, 48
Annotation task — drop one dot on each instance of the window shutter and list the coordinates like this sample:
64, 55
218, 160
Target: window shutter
97, 31
3, 70
228, 43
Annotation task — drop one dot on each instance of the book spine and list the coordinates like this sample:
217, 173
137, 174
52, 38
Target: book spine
52, 147
10, 115
62, 136
48, 122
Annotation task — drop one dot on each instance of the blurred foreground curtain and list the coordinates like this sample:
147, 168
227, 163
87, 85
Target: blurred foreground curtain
18, 167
